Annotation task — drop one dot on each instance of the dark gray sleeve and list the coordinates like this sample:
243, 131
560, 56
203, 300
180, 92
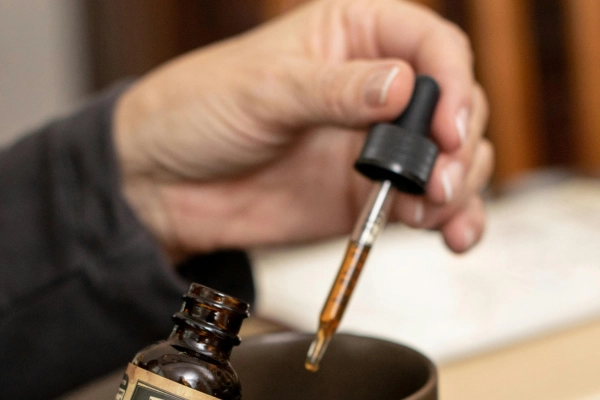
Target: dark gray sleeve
83, 286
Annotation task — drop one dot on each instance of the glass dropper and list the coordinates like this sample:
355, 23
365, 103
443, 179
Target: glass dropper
397, 155
366, 230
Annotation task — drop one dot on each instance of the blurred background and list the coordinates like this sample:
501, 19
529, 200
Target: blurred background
528, 295
539, 61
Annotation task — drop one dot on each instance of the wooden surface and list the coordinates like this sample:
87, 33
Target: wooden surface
561, 366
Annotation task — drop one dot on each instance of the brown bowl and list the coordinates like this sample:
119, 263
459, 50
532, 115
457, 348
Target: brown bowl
271, 367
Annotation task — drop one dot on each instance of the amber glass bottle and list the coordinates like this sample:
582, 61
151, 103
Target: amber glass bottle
193, 363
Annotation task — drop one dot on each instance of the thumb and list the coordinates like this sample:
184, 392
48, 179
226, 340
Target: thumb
353, 94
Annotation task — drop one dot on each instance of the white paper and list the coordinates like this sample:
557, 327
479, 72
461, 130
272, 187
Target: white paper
536, 270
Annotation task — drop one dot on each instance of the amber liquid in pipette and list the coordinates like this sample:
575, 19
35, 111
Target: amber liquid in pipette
356, 255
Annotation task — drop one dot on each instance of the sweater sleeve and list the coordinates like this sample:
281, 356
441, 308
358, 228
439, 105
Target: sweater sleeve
83, 286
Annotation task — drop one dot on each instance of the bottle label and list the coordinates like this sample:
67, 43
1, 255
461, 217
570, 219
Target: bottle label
139, 384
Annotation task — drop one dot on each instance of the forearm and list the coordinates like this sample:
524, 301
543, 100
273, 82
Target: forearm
83, 285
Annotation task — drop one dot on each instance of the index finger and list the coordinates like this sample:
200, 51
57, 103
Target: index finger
433, 46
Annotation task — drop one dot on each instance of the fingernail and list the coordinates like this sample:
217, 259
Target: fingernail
469, 238
419, 212
378, 86
461, 123
451, 179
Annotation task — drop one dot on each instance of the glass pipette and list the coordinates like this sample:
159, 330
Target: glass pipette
396, 154
366, 230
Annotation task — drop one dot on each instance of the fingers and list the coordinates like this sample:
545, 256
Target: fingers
354, 94
462, 227
451, 170
419, 212
466, 227
459, 220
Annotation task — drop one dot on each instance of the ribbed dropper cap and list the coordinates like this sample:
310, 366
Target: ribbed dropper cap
400, 151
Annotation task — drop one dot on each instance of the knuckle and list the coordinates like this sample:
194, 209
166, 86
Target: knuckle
460, 37
333, 94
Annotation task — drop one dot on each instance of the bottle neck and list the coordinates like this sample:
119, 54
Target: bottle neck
201, 343
209, 322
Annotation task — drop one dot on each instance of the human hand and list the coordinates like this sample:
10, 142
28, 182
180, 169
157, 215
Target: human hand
251, 141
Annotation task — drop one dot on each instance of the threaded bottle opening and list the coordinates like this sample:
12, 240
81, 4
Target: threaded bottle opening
208, 310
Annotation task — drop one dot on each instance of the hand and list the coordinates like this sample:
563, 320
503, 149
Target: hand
251, 141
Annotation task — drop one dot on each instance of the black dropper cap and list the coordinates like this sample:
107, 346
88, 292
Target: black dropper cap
400, 151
